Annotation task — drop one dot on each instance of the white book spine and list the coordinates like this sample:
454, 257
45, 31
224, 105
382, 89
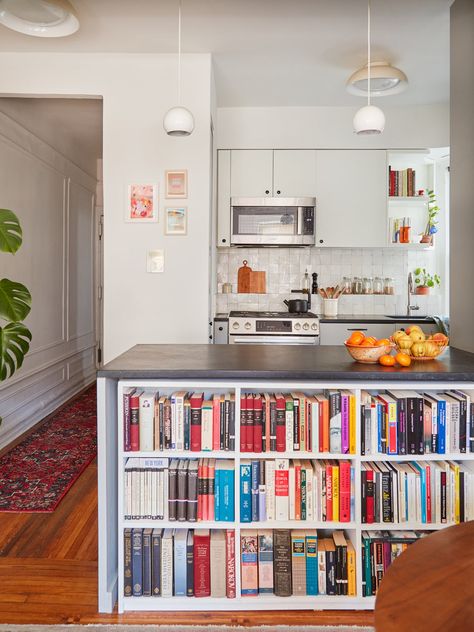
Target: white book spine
289, 430
309, 492
270, 491
281, 488
206, 429
315, 427
147, 422
455, 427
321, 572
179, 411
167, 567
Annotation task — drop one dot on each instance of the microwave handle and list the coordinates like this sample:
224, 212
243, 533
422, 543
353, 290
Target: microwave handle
299, 221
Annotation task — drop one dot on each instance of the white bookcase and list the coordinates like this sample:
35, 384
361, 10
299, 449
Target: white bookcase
353, 530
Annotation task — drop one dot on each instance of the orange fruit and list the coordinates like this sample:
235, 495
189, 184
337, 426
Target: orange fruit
403, 359
439, 337
383, 341
387, 360
355, 338
367, 342
372, 339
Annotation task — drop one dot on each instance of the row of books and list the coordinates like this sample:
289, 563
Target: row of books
379, 550
417, 492
182, 421
297, 562
277, 422
407, 422
401, 183
179, 489
179, 563
284, 489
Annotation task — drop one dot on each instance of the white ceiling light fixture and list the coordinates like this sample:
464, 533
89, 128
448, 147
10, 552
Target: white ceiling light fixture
369, 119
385, 80
39, 18
179, 121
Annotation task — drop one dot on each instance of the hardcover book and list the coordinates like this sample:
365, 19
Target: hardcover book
282, 562
298, 562
230, 564
147, 562
265, 562
202, 567
218, 563
249, 563
180, 562
127, 563
167, 579
137, 562
311, 562
156, 562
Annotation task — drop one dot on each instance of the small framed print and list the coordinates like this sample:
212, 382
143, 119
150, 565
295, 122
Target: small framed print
177, 184
142, 203
176, 220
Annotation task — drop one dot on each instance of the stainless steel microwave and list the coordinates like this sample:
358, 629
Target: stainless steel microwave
272, 221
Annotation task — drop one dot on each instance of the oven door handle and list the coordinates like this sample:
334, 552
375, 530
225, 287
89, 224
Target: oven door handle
273, 340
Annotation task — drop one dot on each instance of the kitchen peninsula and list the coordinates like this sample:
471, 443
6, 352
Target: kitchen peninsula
222, 369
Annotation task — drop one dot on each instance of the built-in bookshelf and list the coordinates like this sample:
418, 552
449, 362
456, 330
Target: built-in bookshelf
373, 462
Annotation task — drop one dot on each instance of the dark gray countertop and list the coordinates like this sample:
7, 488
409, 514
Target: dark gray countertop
373, 318
276, 362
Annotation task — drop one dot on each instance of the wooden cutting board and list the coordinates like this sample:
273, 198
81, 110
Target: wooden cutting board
258, 283
243, 278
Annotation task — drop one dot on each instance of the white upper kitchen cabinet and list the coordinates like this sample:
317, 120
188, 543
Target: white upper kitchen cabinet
251, 173
294, 172
351, 198
223, 198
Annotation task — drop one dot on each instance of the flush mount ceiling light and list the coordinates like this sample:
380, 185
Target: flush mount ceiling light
384, 80
369, 119
178, 121
40, 18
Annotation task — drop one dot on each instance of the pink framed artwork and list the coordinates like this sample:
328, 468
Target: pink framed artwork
177, 184
142, 203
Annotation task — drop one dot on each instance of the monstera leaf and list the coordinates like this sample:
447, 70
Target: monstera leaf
15, 301
15, 341
11, 234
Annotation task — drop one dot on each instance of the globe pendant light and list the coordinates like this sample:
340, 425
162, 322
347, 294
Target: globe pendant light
369, 119
179, 121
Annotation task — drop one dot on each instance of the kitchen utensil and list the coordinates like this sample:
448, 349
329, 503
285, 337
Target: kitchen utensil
297, 305
243, 278
227, 288
367, 355
322, 292
257, 282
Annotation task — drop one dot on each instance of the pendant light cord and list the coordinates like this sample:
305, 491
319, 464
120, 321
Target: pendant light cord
179, 53
368, 52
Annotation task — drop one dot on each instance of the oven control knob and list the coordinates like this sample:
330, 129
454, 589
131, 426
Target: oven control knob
235, 325
314, 326
306, 326
297, 326
248, 326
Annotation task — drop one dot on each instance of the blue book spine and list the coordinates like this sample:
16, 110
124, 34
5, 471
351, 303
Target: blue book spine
227, 512
255, 484
187, 427
311, 565
379, 427
262, 504
441, 427
180, 567
217, 495
137, 562
245, 494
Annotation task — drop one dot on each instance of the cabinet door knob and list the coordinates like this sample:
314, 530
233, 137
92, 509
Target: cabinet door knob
278, 192
224, 241
221, 328
267, 191
321, 241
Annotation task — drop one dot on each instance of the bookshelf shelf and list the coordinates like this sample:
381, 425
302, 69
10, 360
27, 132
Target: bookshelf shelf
397, 458
179, 454
296, 455
175, 524
420, 199
298, 524
404, 526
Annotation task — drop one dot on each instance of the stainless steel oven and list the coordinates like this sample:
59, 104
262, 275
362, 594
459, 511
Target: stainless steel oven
273, 221
273, 328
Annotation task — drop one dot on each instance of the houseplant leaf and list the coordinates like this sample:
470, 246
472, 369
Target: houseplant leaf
15, 301
14, 345
11, 234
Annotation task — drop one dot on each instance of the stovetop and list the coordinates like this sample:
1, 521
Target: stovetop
279, 315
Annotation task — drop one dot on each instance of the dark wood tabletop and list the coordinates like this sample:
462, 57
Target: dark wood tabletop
430, 587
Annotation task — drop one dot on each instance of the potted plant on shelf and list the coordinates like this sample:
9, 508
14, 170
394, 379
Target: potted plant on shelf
433, 210
424, 281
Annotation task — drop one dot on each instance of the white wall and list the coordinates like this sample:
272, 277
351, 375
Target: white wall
137, 90
462, 170
408, 127
54, 200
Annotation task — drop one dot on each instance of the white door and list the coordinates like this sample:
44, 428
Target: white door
223, 198
251, 172
294, 172
351, 198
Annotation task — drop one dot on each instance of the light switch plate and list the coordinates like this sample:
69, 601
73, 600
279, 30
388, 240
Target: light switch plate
155, 261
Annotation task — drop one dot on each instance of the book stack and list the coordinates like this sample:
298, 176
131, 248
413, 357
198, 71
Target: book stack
179, 563
407, 422
182, 421
179, 489
401, 183
294, 489
277, 422
287, 562
379, 550
416, 492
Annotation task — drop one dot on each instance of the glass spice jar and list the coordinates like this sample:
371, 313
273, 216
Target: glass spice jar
356, 285
388, 287
347, 285
367, 286
378, 285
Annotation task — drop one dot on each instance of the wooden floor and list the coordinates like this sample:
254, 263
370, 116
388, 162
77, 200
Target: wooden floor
48, 572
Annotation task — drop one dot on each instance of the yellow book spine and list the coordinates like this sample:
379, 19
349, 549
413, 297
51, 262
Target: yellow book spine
457, 499
351, 572
335, 493
352, 425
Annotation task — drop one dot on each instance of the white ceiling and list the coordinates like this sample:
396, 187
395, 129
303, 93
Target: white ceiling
273, 52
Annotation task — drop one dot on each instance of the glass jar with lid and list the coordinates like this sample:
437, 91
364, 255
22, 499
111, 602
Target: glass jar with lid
347, 285
367, 286
356, 285
388, 286
378, 285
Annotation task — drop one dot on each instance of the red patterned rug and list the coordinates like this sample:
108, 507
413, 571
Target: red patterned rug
36, 474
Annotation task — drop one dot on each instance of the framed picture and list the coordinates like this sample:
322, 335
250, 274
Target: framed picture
177, 184
142, 203
176, 220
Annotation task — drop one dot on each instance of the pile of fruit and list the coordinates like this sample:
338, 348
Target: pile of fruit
414, 342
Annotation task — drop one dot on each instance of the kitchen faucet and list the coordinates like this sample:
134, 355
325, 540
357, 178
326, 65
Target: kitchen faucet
410, 308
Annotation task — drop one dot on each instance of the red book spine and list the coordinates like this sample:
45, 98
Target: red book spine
127, 446
250, 423
320, 427
202, 569
329, 493
267, 422
280, 424
257, 423
243, 423
297, 492
369, 501
134, 425
196, 415
230, 583
200, 491
344, 491
216, 423
428, 493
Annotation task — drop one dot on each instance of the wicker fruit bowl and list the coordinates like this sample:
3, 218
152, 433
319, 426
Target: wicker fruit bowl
419, 353
368, 355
